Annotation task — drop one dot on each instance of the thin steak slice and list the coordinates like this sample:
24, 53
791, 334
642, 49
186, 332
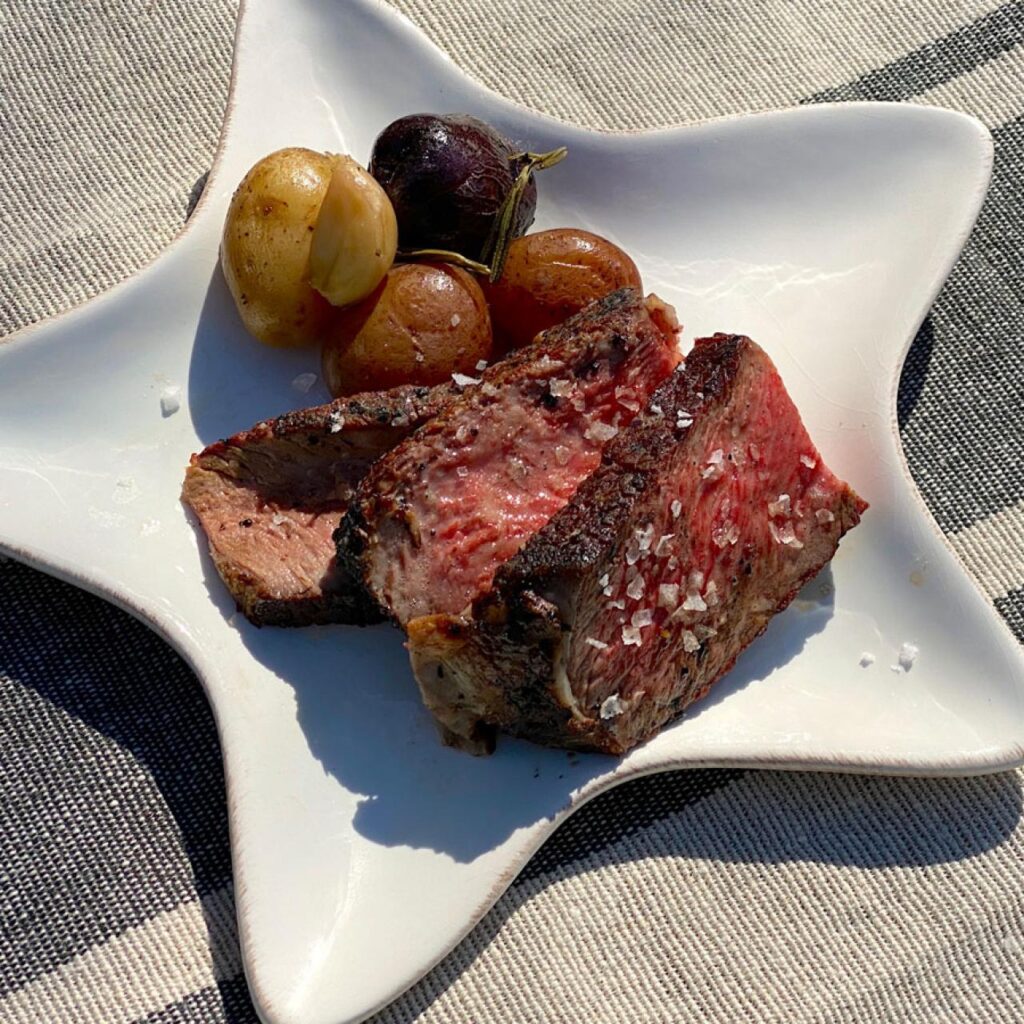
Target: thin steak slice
270, 498
703, 521
434, 518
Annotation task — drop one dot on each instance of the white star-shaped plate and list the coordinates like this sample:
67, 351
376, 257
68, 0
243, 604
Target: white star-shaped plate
364, 849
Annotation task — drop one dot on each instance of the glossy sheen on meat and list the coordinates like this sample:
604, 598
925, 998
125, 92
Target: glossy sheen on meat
435, 518
270, 498
703, 521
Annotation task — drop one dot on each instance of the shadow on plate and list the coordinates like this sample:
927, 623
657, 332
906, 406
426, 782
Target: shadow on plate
233, 380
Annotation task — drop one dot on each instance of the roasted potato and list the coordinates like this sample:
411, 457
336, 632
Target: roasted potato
550, 275
424, 322
265, 247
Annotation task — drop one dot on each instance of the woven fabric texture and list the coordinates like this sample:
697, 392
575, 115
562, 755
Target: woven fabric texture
717, 896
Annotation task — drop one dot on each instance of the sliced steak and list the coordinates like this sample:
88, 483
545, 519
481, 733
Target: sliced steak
703, 521
270, 498
434, 518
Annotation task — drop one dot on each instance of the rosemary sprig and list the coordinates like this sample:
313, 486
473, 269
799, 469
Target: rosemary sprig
495, 248
444, 256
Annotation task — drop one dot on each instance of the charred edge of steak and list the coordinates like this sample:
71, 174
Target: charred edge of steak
599, 341
303, 461
506, 666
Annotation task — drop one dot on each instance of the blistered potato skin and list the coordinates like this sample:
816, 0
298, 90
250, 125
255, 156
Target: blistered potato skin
424, 322
549, 276
265, 247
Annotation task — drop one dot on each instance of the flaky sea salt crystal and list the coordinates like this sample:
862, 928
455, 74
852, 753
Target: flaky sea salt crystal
626, 397
578, 403
694, 603
335, 421
779, 507
594, 642
704, 632
461, 433
631, 636
774, 531
808, 461
420, 357
642, 617
612, 706
170, 400
303, 382
463, 381
907, 656
562, 454
517, 470
663, 548
690, 641
728, 533
655, 410
644, 536
618, 603
455, 320
668, 595
695, 580
711, 594
461, 472
632, 552
278, 519
787, 535
636, 587
603, 581
598, 431
866, 658
824, 515
677, 507
560, 388
481, 365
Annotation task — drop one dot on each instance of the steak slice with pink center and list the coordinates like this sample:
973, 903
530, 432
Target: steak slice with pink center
703, 521
436, 517
269, 500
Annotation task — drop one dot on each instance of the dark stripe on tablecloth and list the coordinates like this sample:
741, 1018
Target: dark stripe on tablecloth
227, 1002
1011, 607
109, 750
623, 811
962, 393
934, 63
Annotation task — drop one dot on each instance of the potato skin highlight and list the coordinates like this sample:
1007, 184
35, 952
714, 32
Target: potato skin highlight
549, 276
424, 322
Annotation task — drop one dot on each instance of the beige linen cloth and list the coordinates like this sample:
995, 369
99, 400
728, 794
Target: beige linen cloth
705, 896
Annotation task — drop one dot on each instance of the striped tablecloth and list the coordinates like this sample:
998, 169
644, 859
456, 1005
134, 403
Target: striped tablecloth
714, 896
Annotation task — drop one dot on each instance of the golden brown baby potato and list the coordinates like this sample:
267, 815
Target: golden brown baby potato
550, 275
265, 248
424, 322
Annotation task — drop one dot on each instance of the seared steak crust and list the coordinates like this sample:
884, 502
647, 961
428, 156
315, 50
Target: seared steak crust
269, 499
435, 517
703, 521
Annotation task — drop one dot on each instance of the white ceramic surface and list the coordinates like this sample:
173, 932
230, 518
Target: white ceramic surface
363, 849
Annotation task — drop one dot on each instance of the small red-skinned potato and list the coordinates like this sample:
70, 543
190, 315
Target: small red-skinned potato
550, 275
424, 322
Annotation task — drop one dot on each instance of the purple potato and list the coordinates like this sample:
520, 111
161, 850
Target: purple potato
447, 176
